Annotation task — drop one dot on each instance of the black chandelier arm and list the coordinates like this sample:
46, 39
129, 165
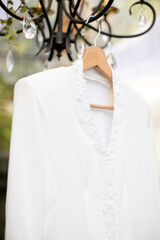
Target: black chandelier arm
141, 2
68, 51
60, 16
109, 28
133, 35
76, 36
18, 17
88, 42
18, 31
57, 36
42, 32
97, 7
93, 13
55, 23
84, 39
91, 19
37, 22
71, 5
67, 43
78, 33
44, 40
81, 9
72, 14
14, 15
49, 26
70, 8
41, 17
130, 12
51, 53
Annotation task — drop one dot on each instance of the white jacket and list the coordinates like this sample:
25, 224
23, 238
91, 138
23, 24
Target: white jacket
63, 182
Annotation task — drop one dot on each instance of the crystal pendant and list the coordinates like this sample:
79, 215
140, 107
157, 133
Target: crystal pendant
10, 61
81, 49
104, 29
111, 60
29, 28
109, 45
142, 18
104, 38
83, 32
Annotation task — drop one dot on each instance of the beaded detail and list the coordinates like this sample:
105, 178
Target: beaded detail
106, 157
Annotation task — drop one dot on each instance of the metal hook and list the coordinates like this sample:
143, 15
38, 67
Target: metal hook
99, 29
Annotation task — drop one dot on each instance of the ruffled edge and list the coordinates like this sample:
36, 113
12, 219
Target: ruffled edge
110, 196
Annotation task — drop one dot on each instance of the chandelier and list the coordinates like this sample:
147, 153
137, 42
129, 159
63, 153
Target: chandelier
68, 25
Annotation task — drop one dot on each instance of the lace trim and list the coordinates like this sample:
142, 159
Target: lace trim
110, 196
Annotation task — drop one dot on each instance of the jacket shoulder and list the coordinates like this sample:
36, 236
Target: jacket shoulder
48, 79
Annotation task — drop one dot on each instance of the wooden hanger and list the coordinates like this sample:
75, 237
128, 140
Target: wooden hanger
94, 56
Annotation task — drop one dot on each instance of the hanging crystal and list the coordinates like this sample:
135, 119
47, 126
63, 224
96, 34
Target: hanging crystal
29, 28
142, 18
104, 29
10, 61
110, 58
104, 38
82, 44
83, 32
109, 45
81, 49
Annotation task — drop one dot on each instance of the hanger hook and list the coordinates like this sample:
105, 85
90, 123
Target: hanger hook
99, 29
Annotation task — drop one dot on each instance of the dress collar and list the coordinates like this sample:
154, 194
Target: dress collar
87, 116
106, 154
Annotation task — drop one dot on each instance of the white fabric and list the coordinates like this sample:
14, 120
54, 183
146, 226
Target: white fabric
64, 182
100, 94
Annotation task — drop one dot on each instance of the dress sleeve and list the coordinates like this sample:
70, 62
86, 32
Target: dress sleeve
27, 166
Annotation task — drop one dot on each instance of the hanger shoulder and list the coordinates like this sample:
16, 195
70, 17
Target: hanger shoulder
95, 57
89, 57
